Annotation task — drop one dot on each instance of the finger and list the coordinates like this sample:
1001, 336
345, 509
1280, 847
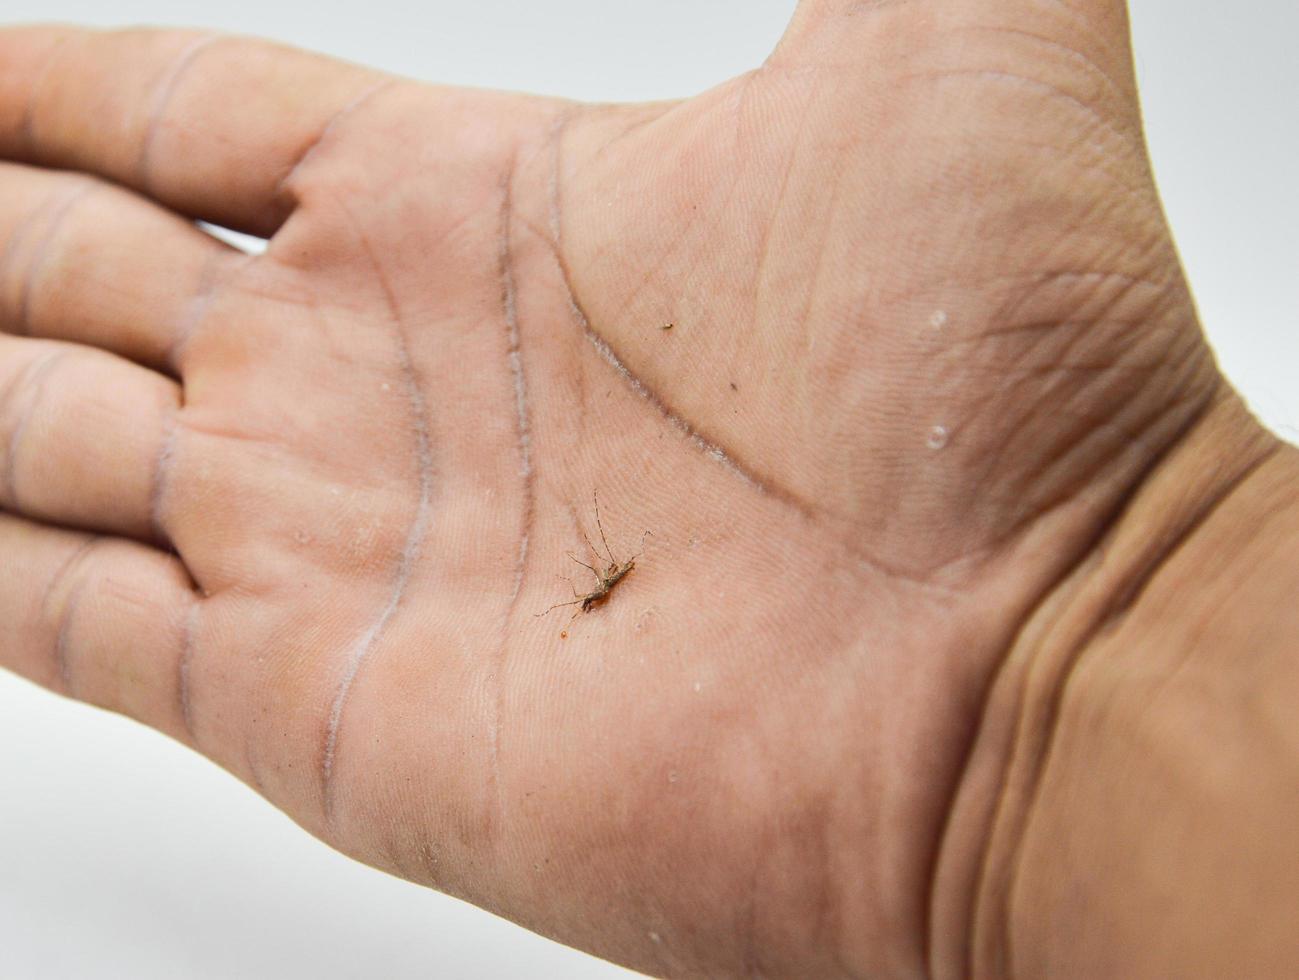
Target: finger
100, 619
87, 262
82, 437
208, 125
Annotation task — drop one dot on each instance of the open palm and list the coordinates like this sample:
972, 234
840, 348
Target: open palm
870, 341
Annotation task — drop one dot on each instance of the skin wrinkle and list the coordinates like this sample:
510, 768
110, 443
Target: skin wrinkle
993, 458
659, 111
818, 267
1103, 122
1037, 327
65, 621
1170, 675
1117, 447
557, 141
61, 640
1073, 54
897, 297
1127, 597
869, 7
710, 449
158, 486
183, 671
1109, 422
985, 855
33, 377
787, 171
682, 235
1084, 25
651, 272
1182, 376
1008, 313
213, 278
935, 861
1129, 433
1073, 338
28, 125
60, 575
16, 240
406, 561
509, 306
59, 208
162, 95
1093, 546
1116, 609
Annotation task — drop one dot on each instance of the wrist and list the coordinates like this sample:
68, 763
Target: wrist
1033, 861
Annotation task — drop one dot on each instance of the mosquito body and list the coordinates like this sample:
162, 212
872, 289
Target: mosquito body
606, 578
605, 582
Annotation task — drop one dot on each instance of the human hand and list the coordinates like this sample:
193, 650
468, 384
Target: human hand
393, 425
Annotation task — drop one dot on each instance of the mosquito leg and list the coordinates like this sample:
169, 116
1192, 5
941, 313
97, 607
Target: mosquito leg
600, 525
559, 605
592, 549
584, 565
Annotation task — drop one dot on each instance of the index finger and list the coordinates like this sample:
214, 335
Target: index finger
207, 124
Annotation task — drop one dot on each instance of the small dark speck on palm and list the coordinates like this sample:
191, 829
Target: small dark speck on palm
608, 574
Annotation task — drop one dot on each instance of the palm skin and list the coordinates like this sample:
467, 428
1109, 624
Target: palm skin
928, 330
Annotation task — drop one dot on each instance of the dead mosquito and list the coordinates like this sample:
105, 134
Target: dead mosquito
605, 579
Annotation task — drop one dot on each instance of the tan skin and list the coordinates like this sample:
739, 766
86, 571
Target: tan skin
935, 418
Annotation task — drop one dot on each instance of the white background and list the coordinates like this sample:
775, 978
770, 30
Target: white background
123, 855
